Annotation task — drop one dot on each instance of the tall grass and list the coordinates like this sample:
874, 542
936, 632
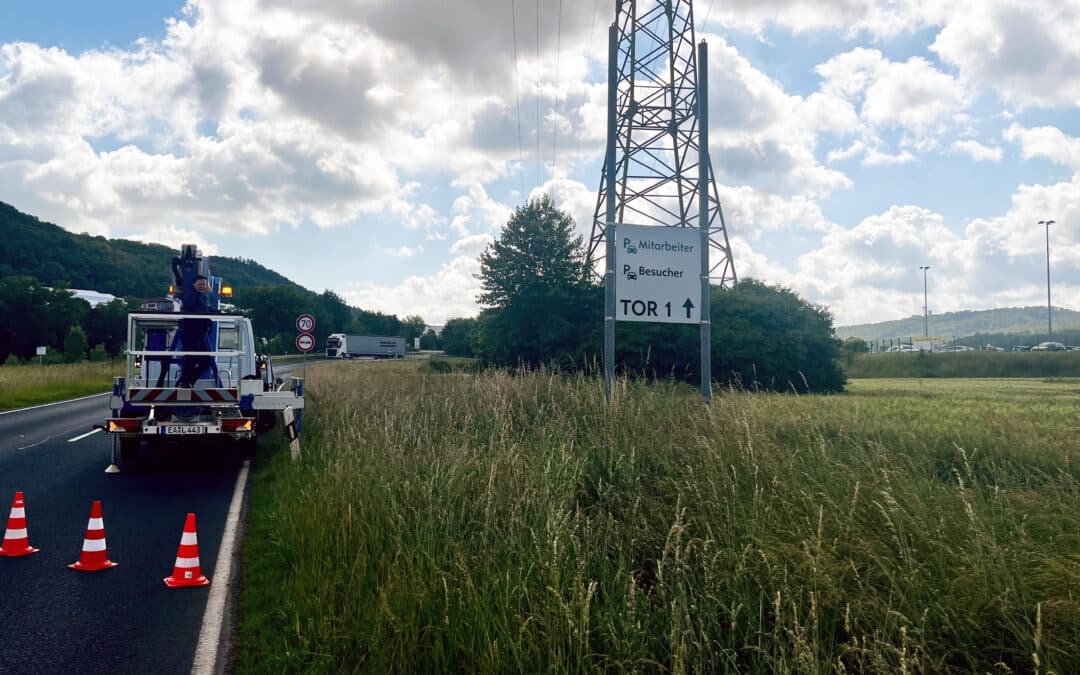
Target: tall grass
965, 364
29, 384
496, 522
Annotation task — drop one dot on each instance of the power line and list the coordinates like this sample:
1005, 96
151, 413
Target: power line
554, 124
538, 93
707, 13
588, 52
517, 101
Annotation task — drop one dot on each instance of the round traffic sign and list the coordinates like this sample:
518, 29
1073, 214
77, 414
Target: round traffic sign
305, 342
305, 323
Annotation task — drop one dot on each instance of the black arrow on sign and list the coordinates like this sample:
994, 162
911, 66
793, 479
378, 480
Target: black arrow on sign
689, 306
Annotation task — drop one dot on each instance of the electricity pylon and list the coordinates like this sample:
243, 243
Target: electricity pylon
657, 131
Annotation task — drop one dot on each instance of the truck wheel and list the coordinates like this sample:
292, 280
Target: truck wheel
129, 449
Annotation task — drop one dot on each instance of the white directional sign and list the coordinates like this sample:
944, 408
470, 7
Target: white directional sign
657, 274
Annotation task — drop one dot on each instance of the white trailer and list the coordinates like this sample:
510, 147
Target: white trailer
342, 346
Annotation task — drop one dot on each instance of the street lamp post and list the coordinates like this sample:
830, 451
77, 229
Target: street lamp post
1049, 325
925, 308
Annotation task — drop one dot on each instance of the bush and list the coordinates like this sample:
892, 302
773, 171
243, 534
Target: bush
75, 345
98, 353
13, 360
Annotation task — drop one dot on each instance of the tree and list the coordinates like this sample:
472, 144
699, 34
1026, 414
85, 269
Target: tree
33, 315
539, 307
412, 327
429, 340
75, 345
457, 337
537, 249
106, 325
768, 337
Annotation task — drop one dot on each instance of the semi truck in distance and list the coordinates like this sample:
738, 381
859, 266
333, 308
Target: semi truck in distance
342, 346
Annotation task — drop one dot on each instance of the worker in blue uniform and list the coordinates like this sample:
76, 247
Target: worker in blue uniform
195, 333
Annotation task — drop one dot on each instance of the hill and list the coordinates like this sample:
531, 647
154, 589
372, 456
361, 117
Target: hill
54, 256
1004, 320
35, 254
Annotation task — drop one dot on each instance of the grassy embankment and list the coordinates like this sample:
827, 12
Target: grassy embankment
965, 364
488, 522
32, 384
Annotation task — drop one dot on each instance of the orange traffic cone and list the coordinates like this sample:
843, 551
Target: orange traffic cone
16, 542
94, 556
186, 571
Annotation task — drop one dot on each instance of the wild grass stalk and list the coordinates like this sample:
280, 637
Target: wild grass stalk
512, 522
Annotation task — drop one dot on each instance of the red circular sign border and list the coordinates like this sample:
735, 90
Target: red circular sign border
302, 317
305, 335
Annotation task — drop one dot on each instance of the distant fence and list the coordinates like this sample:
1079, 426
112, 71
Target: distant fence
966, 364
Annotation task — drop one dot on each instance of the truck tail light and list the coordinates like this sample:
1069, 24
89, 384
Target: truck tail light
122, 425
237, 424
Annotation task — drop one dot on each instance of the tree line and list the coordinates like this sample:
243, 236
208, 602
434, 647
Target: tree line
543, 309
35, 315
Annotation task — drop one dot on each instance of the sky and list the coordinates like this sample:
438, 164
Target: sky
375, 147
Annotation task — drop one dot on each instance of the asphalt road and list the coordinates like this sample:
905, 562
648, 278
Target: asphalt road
124, 619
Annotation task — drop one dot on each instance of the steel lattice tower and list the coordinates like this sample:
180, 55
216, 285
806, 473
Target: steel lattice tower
657, 130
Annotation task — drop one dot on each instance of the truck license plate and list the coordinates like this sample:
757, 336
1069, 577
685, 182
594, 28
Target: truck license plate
181, 429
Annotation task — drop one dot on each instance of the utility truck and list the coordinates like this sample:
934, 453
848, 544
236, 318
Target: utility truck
194, 375
342, 346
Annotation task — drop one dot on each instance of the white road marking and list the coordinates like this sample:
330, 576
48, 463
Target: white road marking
82, 436
34, 445
206, 651
46, 405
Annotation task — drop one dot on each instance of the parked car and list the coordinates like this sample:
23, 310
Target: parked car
1048, 347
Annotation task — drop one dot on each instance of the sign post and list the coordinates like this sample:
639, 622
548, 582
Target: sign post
657, 273
305, 341
40, 354
704, 166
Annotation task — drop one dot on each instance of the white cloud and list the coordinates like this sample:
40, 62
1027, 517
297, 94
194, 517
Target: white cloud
757, 213
911, 95
875, 157
404, 251
173, 237
764, 137
449, 292
471, 245
1045, 142
977, 151
1027, 51
877, 18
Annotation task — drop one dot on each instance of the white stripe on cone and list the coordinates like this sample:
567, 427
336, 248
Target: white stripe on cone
95, 525
93, 545
17, 512
15, 534
189, 539
187, 562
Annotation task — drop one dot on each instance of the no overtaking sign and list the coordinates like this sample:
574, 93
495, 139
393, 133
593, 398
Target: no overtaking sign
657, 274
305, 342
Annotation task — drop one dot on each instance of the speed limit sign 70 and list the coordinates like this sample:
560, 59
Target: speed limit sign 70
305, 323
305, 342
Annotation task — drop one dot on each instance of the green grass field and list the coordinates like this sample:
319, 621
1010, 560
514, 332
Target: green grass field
490, 522
965, 364
32, 384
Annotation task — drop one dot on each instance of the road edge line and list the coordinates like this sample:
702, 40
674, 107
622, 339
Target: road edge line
46, 405
82, 436
207, 651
